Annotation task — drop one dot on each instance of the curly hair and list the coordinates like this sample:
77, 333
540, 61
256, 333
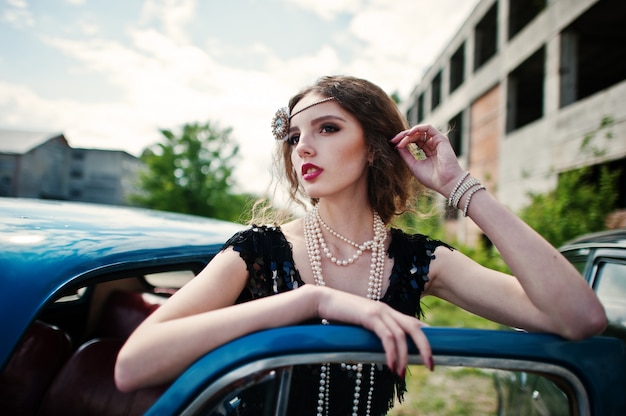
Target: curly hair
391, 185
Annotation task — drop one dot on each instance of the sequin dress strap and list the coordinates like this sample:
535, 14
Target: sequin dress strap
412, 254
269, 260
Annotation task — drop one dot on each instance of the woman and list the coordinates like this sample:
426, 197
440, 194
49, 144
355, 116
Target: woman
345, 147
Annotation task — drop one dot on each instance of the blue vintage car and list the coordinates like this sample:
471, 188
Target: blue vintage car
601, 260
77, 279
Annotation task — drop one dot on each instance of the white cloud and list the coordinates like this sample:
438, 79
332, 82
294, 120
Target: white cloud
18, 4
18, 14
171, 14
328, 9
94, 124
393, 42
88, 28
168, 81
167, 84
403, 38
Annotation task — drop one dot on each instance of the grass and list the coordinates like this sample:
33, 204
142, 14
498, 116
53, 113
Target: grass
438, 312
449, 391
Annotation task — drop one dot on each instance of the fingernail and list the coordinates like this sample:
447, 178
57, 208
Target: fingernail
428, 361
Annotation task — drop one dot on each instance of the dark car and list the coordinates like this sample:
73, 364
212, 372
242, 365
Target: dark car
78, 278
601, 260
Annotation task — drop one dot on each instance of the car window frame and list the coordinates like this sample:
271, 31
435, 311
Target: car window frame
603, 256
568, 382
599, 376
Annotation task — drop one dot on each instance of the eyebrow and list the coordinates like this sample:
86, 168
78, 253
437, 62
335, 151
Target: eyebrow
320, 119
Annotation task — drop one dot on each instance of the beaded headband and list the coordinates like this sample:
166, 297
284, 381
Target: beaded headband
280, 122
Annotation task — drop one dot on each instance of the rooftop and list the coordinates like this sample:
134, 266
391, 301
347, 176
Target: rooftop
20, 142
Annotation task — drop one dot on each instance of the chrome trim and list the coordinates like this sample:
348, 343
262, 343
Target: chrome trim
283, 391
285, 364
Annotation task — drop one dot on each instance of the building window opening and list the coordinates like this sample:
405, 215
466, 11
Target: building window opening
436, 91
525, 91
420, 107
522, 12
457, 68
456, 133
76, 173
593, 57
486, 37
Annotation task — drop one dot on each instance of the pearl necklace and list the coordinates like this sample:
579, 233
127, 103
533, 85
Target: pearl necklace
314, 239
359, 247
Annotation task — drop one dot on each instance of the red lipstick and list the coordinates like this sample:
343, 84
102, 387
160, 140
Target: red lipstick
310, 171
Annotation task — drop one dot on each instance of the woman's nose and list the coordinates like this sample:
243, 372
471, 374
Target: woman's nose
305, 145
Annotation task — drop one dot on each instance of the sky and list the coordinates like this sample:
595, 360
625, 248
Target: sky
110, 74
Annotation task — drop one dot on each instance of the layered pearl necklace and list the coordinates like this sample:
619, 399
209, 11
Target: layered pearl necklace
314, 239
359, 247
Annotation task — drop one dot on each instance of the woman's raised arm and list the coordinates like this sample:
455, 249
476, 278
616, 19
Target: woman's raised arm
547, 293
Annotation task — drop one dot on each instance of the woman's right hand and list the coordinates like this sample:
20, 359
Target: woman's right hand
201, 317
389, 325
440, 169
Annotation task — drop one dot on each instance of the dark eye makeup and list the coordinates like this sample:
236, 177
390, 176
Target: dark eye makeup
294, 139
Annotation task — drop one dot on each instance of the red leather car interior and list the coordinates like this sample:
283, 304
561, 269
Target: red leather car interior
44, 377
39, 356
85, 385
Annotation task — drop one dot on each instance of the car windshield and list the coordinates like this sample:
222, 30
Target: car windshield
610, 285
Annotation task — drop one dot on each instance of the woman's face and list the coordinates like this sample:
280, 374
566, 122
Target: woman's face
329, 152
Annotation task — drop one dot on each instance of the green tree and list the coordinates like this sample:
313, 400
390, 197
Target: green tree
581, 200
191, 172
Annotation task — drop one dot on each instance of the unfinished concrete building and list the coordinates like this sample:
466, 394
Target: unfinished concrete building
521, 86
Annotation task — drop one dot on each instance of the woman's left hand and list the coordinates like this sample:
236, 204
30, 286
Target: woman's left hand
440, 169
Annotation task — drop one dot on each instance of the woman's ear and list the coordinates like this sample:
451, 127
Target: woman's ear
370, 157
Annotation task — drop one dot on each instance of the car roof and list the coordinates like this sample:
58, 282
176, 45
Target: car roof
616, 236
609, 239
46, 245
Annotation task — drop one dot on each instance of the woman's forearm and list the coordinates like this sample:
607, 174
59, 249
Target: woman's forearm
157, 351
550, 281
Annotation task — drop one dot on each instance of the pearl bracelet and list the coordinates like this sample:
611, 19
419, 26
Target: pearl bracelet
469, 198
462, 189
456, 187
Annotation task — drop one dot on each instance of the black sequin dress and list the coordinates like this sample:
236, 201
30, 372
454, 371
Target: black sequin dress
269, 260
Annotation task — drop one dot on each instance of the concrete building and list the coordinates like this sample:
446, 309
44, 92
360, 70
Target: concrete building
40, 165
521, 87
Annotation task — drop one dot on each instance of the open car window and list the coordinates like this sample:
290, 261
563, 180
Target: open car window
460, 385
169, 280
477, 372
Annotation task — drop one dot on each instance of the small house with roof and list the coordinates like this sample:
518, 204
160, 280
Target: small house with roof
44, 165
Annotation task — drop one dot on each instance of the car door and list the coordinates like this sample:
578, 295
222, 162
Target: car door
253, 374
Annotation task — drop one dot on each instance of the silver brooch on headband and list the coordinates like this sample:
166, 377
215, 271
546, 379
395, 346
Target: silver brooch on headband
281, 120
280, 124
